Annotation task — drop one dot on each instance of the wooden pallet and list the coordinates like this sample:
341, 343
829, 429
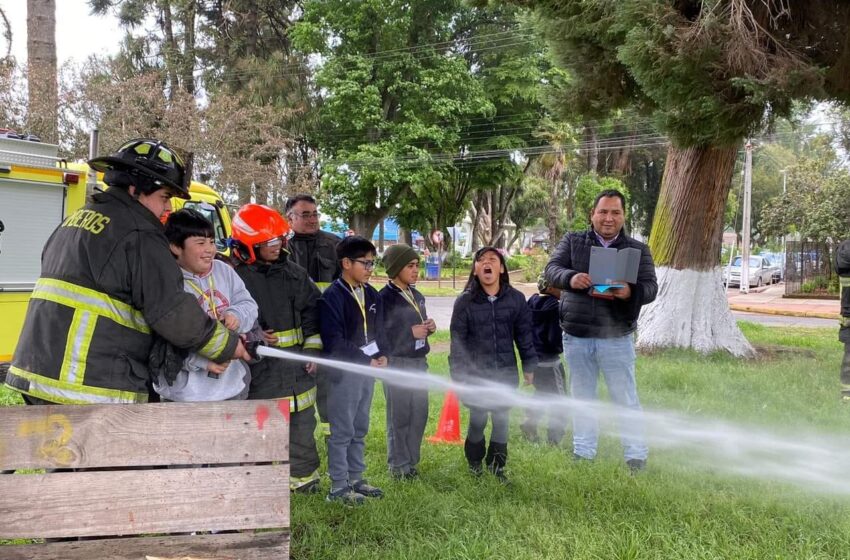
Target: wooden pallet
139, 481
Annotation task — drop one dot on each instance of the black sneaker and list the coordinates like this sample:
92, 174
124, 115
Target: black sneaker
346, 496
364, 488
636, 465
477, 469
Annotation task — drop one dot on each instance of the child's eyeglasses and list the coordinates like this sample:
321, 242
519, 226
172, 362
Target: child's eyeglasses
368, 265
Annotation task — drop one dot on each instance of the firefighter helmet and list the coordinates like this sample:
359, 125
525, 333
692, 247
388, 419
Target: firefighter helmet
253, 225
151, 165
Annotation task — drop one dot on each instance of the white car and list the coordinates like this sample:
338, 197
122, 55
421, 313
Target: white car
762, 272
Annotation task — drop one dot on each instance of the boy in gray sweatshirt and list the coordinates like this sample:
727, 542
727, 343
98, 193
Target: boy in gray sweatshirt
222, 294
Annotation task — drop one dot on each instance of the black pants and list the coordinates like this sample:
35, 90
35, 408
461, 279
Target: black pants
549, 379
303, 455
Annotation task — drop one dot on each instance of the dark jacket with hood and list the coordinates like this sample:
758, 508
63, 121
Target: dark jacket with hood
288, 305
585, 316
108, 284
484, 330
547, 334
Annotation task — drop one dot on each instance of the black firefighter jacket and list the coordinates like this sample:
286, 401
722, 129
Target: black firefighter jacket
108, 283
317, 254
287, 301
585, 316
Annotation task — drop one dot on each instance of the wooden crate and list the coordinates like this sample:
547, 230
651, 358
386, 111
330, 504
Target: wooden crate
138, 481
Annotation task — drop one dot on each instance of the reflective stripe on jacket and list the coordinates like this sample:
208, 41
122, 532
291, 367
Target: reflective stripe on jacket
108, 282
287, 300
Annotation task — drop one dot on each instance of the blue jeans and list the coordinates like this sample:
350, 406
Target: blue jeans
615, 358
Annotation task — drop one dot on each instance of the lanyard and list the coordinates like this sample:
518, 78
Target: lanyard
408, 297
362, 306
209, 299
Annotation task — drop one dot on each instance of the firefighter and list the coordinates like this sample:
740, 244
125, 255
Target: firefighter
108, 284
315, 250
287, 300
842, 267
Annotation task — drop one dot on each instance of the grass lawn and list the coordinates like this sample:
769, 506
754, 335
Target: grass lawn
559, 509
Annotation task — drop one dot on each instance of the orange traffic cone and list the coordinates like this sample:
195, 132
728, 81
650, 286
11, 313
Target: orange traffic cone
448, 429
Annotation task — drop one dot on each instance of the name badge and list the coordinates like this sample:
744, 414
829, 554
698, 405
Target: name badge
370, 349
420, 343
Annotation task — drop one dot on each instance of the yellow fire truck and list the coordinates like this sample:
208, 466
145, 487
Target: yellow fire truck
37, 191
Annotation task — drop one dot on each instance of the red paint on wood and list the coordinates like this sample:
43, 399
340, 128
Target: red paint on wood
262, 415
283, 407
228, 416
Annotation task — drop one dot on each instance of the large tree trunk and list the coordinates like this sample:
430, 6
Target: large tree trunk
691, 310
41, 74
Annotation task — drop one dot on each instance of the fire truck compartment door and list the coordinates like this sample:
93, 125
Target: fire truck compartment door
30, 212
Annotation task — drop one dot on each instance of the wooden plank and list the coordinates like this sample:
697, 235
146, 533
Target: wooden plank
132, 502
36, 437
240, 546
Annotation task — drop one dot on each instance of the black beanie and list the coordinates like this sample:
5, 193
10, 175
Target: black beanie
396, 257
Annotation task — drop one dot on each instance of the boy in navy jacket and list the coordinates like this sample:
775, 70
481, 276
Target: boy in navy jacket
549, 376
350, 322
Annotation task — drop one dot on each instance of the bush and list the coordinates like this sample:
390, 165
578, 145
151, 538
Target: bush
536, 264
517, 262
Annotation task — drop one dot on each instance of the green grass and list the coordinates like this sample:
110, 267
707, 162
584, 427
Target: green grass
558, 509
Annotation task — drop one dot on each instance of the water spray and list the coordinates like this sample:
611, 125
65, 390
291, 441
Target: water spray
808, 460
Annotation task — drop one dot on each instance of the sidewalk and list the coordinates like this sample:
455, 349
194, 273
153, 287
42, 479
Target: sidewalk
769, 300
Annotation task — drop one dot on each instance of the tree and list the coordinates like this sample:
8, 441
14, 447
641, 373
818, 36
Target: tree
709, 72
41, 72
394, 94
816, 203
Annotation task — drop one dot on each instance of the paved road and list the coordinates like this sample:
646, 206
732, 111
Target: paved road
440, 309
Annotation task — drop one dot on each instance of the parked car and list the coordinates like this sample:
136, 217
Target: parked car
761, 272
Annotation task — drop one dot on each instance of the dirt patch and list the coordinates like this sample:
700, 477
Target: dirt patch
440, 346
771, 352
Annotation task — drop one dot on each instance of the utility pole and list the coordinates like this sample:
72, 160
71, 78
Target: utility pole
91, 176
745, 233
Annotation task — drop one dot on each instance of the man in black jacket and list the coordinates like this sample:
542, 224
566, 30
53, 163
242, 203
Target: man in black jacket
842, 267
599, 329
314, 250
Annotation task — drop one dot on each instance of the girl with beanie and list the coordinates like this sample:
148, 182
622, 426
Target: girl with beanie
406, 327
488, 319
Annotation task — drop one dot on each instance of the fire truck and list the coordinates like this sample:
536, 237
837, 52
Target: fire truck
38, 189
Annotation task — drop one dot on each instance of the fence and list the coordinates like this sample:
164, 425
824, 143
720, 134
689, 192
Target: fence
807, 264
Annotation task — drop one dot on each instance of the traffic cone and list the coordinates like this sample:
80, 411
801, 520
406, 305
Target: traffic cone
448, 429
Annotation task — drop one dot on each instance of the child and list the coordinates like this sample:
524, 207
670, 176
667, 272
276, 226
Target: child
549, 376
350, 322
288, 301
406, 331
223, 296
489, 317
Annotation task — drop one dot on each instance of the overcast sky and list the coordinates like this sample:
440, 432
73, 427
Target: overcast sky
78, 34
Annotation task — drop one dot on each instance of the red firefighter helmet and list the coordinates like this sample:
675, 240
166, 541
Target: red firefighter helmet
253, 225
